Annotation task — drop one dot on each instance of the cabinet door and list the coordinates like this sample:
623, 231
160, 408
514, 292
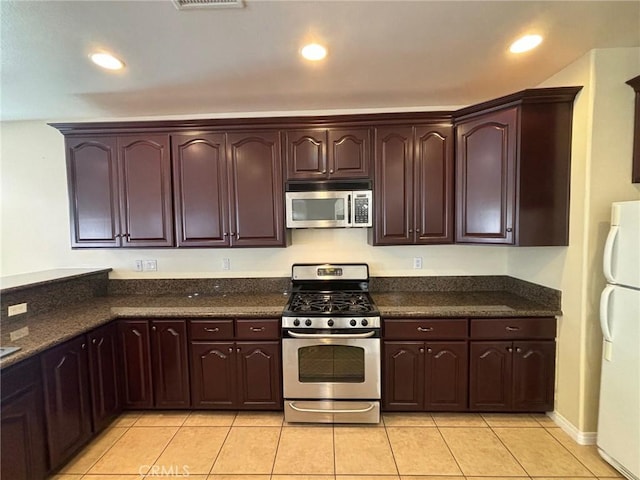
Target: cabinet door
490, 372
200, 190
349, 152
256, 189
433, 185
213, 375
485, 178
145, 169
66, 399
393, 186
23, 448
403, 371
170, 363
259, 375
306, 154
446, 368
92, 175
136, 364
104, 375
533, 376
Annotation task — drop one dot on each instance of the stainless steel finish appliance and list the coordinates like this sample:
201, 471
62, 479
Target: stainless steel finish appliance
328, 205
331, 346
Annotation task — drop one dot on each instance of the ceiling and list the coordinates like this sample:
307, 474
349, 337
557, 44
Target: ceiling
393, 55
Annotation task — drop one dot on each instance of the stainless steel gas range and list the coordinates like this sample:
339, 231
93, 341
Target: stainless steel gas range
331, 346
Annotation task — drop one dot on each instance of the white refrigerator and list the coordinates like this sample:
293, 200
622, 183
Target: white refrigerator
619, 415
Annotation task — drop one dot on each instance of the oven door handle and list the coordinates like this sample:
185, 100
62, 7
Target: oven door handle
334, 335
319, 410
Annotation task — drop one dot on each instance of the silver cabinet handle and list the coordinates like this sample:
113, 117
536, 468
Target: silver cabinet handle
154, 328
429, 350
256, 329
84, 345
331, 335
509, 349
331, 171
519, 350
213, 330
509, 229
512, 329
94, 341
237, 350
425, 329
319, 410
421, 350
230, 350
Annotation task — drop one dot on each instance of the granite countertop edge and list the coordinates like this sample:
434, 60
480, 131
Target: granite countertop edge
50, 329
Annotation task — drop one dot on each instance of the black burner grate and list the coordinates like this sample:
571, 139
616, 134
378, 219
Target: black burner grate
333, 302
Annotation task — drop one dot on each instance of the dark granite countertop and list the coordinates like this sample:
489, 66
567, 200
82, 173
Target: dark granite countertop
49, 329
29, 280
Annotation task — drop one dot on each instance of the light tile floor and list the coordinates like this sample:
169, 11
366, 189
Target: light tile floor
404, 446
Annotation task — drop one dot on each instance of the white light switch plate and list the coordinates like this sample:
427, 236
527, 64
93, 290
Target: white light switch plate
18, 334
16, 309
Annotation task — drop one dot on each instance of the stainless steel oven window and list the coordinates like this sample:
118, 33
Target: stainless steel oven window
331, 363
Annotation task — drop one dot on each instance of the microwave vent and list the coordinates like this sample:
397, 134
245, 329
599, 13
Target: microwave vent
193, 4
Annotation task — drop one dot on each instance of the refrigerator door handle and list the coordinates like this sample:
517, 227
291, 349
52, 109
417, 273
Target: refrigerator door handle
604, 312
607, 262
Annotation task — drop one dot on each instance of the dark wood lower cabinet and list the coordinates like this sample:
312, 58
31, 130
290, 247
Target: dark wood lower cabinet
66, 399
134, 338
104, 375
231, 375
23, 441
170, 364
512, 376
428, 376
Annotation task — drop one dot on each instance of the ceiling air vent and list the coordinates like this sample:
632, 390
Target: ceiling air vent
190, 4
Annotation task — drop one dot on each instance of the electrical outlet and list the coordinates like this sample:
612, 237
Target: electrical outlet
17, 309
417, 262
226, 264
149, 265
138, 265
18, 334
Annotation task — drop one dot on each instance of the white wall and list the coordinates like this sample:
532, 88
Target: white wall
600, 175
35, 231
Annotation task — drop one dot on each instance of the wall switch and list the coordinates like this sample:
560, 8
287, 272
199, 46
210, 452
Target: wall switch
226, 264
417, 262
18, 334
149, 265
17, 309
138, 265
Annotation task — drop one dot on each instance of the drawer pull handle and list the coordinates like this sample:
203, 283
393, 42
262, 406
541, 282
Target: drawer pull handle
212, 330
509, 349
512, 329
425, 329
257, 329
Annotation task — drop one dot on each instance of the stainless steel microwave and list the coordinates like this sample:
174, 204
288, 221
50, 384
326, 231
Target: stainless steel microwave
329, 208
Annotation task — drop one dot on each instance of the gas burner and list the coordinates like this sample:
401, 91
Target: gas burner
331, 303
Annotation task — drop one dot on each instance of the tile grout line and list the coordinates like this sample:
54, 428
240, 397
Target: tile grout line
222, 444
275, 456
152, 464
126, 429
393, 455
444, 440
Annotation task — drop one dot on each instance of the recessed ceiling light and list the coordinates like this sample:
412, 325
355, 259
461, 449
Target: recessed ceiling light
106, 60
526, 43
313, 52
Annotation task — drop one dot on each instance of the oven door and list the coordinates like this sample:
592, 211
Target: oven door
326, 367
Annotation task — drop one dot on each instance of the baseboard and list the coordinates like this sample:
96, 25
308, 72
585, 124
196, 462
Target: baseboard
583, 438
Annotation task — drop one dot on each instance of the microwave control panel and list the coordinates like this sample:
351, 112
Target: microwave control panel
362, 209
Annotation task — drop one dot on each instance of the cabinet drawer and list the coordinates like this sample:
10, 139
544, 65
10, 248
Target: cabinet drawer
510, 328
433, 328
249, 329
211, 329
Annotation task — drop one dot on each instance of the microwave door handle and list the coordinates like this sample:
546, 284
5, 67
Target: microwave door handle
349, 212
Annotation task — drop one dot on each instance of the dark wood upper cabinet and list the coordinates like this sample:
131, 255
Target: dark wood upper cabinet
413, 185
67, 399
146, 204
200, 190
92, 176
170, 364
120, 191
334, 153
513, 157
23, 453
104, 375
635, 170
256, 190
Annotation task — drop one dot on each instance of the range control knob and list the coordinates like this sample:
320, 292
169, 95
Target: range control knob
296, 322
307, 322
353, 322
330, 323
364, 322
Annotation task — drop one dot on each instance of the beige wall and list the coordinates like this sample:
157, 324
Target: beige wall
35, 231
600, 175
